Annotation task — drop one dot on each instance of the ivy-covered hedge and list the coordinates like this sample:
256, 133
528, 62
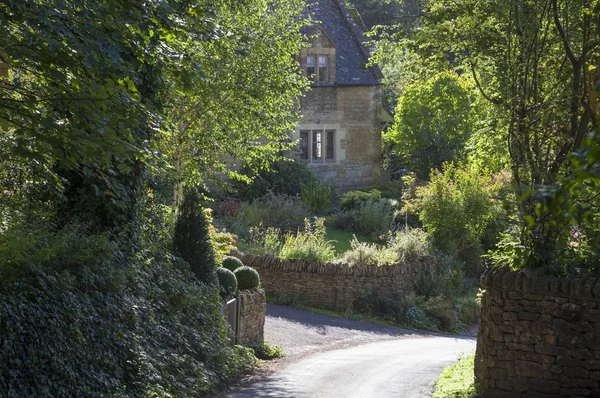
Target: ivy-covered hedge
114, 325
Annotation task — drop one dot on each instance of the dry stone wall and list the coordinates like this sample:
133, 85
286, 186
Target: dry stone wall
539, 336
332, 286
253, 309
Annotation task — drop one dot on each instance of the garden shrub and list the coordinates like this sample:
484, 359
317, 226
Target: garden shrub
456, 208
376, 218
353, 200
191, 238
362, 253
409, 244
317, 196
263, 241
416, 317
368, 301
232, 263
280, 211
444, 276
125, 323
309, 245
247, 278
399, 247
227, 281
285, 177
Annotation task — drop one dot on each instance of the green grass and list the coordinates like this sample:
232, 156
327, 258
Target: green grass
341, 239
457, 380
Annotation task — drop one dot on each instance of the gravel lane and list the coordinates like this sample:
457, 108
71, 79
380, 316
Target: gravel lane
335, 357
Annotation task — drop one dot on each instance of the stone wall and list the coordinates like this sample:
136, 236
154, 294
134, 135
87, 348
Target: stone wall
253, 309
332, 286
539, 336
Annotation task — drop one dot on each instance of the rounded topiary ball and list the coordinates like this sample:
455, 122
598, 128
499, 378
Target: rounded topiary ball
247, 278
227, 281
232, 263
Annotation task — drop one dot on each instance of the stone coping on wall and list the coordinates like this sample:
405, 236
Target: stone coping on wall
539, 282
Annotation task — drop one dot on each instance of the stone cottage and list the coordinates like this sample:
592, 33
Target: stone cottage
339, 135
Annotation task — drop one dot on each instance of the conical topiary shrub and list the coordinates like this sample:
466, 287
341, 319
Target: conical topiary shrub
191, 238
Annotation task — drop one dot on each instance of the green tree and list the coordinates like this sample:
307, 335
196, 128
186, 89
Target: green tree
457, 207
77, 104
534, 61
434, 120
235, 99
190, 239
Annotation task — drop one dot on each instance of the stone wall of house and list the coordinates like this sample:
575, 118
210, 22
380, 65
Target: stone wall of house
539, 336
355, 113
332, 286
253, 309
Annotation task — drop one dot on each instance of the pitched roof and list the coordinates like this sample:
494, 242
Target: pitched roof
351, 55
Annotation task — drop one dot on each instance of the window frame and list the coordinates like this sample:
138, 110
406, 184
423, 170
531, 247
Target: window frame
308, 139
320, 72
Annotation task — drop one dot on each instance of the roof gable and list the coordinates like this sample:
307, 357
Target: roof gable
352, 56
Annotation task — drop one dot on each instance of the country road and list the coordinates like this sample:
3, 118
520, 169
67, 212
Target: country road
334, 357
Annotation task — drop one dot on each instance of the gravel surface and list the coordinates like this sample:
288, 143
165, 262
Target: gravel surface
335, 357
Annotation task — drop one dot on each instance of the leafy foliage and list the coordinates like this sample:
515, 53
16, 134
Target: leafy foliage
111, 324
362, 253
376, 218
317, 196
353, 200
266, 351
285, 177
457, 380
535, 62
309, 245
434, 120
400, 248
456, 208
263, 241
191, 238
247, 278
280, 211
227, 281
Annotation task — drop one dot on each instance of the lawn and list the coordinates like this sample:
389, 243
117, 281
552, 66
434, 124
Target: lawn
341, 239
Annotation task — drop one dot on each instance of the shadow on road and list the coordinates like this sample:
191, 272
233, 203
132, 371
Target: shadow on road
320, 322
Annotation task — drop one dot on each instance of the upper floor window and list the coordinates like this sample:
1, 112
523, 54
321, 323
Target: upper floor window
317, 68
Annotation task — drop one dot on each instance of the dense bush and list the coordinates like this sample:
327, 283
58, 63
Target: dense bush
247, 278
399, 247
74, 322
409, 244
232, 263
227, 281
266, 351
362, 253
280, 211
310, 245
456, 208
353, 200
317, 196
263, 241
191, 238
376, 218
285, 177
